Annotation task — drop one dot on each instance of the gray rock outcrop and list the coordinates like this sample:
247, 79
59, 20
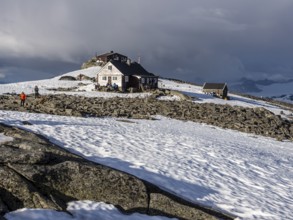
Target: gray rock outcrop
258, 121
68, 78
38, 174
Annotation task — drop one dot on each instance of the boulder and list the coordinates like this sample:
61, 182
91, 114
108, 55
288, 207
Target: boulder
69, 78
82, 180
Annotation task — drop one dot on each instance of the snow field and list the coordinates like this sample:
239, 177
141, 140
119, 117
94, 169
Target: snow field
246, 175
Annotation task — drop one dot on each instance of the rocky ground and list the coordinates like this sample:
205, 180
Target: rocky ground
285, 105
256, 121
38, 174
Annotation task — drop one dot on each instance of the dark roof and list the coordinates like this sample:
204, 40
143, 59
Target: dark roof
132, 69
105, 54
214, 85
109, 54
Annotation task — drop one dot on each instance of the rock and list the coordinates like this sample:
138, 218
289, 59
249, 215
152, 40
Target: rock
69, 78
3, 207
291, 130
161, 204
68, 111
91, 62
85, 181
180, 95
17, 192
12, 155
26, 123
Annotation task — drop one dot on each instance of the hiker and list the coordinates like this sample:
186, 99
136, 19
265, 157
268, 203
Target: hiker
22, 99
115, 87
97, 86
36, 91
109, 86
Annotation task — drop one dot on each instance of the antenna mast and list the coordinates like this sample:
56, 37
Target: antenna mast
138, 59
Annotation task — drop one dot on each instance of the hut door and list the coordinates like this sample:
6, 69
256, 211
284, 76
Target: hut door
109, 80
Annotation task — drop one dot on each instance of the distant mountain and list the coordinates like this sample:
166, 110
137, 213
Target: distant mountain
244, 85
280, 90
284, 98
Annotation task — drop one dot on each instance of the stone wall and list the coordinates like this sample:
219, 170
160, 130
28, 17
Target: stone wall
250, 120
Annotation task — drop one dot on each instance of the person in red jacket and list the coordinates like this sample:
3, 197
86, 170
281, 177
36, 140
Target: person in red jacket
22, 99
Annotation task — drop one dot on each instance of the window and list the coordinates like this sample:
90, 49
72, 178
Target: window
126, 78
110, 67
114, 77
147, 80
142, 80
104, 78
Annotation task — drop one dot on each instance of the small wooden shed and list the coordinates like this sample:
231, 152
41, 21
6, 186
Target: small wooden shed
217, 89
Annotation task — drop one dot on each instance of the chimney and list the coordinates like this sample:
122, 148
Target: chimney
128, 62
138, 60
111, 51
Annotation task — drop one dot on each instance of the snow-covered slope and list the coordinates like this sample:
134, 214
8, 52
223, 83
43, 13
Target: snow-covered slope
83, 88
235, 100
44, 85
247, 175
86, 88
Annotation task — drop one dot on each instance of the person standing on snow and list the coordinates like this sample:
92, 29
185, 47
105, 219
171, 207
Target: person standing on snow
36, 91
22, 99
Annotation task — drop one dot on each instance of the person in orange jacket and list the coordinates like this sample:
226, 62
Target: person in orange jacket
22, 99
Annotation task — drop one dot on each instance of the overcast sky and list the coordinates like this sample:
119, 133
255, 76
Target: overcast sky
195, 40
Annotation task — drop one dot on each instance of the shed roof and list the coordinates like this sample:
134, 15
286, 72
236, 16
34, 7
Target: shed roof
131, 69
218, 86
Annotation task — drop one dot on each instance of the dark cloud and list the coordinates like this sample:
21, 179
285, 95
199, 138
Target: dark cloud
26, 69
194, 40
